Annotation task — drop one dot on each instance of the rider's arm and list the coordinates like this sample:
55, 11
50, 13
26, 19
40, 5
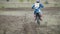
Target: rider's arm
33, 6
41, 5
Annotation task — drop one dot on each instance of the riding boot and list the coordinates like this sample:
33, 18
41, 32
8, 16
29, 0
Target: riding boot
41, 18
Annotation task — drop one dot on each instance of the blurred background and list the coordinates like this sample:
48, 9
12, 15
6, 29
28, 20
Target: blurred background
16, 17
27, 3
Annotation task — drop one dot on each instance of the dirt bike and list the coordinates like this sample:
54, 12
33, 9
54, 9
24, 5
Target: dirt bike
38, 18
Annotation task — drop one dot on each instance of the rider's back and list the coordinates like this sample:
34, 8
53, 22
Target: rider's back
37, 7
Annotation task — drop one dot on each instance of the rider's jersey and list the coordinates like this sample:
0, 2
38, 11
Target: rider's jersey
37, 8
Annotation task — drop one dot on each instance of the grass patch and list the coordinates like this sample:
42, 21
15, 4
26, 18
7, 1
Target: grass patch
21, 0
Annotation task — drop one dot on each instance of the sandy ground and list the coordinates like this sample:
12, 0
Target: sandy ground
22, 22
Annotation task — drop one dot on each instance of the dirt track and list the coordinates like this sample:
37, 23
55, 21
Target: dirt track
22, 22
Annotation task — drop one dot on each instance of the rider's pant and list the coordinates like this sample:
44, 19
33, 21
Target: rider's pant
38, 14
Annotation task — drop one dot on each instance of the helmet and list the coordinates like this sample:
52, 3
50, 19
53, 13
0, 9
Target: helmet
37, 1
